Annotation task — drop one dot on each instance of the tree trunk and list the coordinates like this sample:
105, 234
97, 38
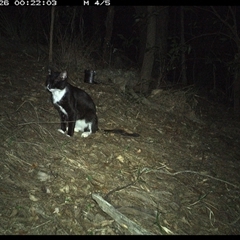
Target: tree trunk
107, 40
161, 46
97, 26
141, 12
183, 58
51, 36
147, 66
234, 35
236, 92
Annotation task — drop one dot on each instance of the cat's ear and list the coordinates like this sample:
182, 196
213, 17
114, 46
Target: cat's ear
63, 75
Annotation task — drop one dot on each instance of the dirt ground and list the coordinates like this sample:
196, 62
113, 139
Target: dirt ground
181, 176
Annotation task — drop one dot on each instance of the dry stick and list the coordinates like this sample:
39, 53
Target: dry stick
31, 106
21, 105
115, 214
17, 158
205, 175
199, 200
235, 221
41, 224
38, 123
118, 189
28, 123
119, 217
122, 187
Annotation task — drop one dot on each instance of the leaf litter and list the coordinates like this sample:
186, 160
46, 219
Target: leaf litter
181, 176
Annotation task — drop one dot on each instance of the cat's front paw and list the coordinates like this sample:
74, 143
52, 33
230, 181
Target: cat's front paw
85, 134
61, 131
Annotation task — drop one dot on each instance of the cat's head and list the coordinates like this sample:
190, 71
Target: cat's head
56, 80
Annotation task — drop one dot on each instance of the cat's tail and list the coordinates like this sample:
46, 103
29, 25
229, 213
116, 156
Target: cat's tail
122, 132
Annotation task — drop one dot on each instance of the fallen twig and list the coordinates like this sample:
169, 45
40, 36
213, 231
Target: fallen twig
205, 175
119, 217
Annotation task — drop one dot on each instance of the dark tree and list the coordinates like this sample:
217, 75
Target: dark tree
230, 22
183, 58
161, 46
147, 65
108, 35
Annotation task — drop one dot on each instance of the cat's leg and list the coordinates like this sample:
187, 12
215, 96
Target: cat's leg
63, 123
90, 127
94, 126
85, 134
61, 131
87, 130
71, 125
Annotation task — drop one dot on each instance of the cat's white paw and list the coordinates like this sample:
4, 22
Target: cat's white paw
61, 131
85, 134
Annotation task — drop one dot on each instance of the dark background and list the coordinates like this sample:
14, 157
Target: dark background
210, 49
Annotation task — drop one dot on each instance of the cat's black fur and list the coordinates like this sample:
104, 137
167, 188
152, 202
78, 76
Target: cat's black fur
76, 108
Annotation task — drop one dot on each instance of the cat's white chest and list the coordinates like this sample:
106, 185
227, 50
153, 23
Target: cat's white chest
57, 94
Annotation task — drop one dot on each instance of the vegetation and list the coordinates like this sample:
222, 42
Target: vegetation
163, 72
170, 46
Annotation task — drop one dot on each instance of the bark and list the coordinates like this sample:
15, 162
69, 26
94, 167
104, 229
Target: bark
236, 92
161, 46
51, 36
183, 58
107, 40
147, 66
141, 27
233, 35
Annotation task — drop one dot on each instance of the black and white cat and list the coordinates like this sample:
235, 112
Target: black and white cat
76, 108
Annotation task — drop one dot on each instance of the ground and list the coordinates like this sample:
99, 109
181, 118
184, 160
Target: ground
181, 176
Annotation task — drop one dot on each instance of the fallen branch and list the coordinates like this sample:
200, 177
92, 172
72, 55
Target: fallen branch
119, 217
204, 175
